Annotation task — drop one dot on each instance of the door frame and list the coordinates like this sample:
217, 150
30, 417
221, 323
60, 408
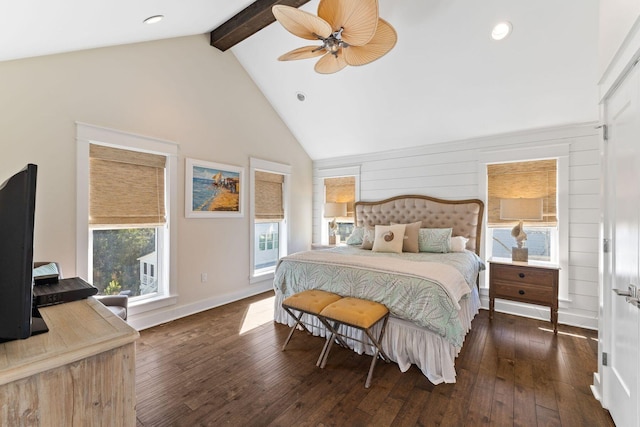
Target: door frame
613, 76
608, 381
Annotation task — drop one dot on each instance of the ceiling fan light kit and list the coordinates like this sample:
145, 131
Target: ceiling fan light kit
350, 32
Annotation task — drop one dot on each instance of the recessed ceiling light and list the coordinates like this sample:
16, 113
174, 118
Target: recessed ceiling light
301, 96
153, 19
501, 30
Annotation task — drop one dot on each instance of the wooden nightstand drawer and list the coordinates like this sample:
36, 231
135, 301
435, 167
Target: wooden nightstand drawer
521, 274
535, 294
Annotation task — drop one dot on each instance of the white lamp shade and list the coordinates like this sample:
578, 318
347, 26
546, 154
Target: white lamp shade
333, 210
521, 209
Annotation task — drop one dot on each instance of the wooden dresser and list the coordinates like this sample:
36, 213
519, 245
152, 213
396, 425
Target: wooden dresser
80, 373
524, 282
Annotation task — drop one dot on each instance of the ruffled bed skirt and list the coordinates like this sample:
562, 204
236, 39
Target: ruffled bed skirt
404, 342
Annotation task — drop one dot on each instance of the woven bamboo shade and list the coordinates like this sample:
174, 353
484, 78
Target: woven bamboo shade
341, 190
125, 187
529, 180
268, 196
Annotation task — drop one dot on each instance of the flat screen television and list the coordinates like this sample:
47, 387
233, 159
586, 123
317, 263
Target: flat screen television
17, 216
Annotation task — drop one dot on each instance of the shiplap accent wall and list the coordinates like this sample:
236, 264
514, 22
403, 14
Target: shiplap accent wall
450, 171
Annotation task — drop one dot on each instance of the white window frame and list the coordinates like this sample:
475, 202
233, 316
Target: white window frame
265, 274
87, 134
320, 195
560, 152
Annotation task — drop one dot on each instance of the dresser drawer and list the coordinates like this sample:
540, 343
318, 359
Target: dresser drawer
534, 294
523, 275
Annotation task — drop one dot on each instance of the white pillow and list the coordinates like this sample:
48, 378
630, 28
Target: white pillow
458, 243
389, 238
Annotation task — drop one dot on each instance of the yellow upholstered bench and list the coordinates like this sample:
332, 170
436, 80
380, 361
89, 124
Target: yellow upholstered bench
357, 313
311, 301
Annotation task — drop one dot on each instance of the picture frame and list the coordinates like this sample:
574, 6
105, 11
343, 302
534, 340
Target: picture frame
213, 190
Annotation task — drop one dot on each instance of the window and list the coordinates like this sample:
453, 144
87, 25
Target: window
126, 219
339, 196
324, 192
126, 184
559, 234
269, 201
533, 180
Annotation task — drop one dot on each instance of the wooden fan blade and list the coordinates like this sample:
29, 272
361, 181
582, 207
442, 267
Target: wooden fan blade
329, 64
302, 53
382, 42
301, 23
358, 18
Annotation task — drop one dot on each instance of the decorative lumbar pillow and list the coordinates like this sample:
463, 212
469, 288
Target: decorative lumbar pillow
356, 236
434, 240
458, 244
410, 243
368, 236
389, 238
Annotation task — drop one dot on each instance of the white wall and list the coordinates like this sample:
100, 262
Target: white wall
616, 17
450, 171
179, 90
618, 41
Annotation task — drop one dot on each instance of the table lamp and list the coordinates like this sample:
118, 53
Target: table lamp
333, 210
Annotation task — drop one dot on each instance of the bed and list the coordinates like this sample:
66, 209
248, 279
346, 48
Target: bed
432, 296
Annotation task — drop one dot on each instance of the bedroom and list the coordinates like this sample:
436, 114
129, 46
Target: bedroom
184, 91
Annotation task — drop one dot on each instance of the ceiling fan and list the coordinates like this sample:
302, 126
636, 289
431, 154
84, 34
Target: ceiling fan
351, 33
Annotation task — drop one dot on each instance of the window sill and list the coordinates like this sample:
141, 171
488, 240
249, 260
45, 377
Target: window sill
264, 277
151, 304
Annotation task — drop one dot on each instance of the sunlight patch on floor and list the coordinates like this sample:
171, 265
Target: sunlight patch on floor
258, 314
564, 333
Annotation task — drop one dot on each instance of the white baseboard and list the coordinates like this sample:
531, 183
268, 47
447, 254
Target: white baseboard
596, 388
157, 317
541, 313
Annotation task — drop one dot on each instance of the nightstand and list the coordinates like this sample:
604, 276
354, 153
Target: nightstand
532, 283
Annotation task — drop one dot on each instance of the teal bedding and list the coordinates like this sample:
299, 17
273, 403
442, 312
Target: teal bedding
420, 300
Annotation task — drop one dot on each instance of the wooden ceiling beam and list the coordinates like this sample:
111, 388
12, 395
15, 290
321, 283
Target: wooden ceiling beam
252, 19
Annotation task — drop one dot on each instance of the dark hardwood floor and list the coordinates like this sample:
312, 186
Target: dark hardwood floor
512, 371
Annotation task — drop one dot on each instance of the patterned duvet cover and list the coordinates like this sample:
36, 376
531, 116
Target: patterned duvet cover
420, 299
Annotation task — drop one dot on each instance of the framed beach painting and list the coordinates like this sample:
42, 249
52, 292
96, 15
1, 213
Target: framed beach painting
213, 190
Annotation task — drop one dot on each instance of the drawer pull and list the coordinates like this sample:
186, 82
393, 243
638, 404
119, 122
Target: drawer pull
521, 275
521, 292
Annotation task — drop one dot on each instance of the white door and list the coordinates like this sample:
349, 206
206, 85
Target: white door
622, 195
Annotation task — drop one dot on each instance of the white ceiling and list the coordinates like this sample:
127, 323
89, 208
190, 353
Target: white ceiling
446, 79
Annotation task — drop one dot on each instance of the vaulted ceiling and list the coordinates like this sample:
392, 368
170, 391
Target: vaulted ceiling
446, 79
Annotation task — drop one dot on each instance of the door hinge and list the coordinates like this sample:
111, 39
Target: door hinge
604, 359
605, 245
605, 132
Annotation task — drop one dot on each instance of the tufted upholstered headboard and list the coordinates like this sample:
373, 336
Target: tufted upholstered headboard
463, 216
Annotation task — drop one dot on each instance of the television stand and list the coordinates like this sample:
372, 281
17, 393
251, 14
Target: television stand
81, 373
